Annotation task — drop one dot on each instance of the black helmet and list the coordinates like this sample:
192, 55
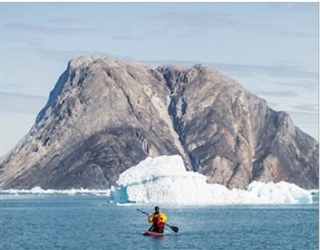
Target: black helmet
156, 208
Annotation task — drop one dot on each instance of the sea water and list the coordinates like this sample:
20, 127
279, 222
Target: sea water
87, 222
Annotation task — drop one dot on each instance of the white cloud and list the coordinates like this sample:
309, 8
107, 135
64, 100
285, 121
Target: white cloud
49, 29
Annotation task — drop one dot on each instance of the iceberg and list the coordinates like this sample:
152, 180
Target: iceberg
164, 179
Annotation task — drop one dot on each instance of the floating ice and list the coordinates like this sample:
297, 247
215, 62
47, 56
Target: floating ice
165, 180
40, 191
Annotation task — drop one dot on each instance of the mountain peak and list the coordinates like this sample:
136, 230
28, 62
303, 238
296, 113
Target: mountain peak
84, 61
105, 115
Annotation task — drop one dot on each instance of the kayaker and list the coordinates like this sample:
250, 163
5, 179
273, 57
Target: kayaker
157, 219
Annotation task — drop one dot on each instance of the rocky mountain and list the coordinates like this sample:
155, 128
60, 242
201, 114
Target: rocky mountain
105, 115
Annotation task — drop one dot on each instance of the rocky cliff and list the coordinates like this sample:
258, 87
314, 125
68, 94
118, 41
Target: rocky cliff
105, 115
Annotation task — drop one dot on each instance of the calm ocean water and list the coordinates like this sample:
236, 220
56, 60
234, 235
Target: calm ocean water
90, 222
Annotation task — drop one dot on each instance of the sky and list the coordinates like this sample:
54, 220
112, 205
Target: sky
272, 49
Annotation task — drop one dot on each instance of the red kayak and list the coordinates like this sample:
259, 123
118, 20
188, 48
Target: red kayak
154, 234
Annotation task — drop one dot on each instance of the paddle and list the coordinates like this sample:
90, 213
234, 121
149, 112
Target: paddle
174, 229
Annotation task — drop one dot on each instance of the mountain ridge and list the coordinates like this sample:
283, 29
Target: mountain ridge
105, 115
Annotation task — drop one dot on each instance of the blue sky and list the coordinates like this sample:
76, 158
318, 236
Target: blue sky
272, 49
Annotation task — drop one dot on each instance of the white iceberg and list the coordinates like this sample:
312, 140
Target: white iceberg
165, 180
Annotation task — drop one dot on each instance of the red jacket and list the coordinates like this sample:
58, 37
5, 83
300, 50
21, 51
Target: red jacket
158, 219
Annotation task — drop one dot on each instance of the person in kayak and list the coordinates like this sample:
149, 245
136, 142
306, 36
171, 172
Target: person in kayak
157, 219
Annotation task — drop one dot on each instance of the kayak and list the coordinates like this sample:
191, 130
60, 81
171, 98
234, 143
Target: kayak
154, 234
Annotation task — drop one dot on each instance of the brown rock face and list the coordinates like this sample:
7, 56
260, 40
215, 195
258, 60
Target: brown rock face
106, 115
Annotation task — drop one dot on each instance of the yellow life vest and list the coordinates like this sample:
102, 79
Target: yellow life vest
163, 217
